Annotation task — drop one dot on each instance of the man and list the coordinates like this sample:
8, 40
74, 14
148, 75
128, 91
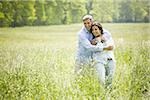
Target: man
85, 48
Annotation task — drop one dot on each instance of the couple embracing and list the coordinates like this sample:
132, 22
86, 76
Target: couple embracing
95, 44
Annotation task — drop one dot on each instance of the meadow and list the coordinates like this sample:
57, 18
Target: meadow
37, 63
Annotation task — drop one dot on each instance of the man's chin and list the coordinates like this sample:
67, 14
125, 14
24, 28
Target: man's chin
88, 29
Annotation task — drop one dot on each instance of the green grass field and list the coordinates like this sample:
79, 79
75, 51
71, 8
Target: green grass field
37, 63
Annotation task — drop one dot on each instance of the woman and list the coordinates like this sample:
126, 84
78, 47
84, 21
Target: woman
104, 61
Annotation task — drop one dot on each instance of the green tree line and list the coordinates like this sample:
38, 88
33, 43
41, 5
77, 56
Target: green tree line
49, 12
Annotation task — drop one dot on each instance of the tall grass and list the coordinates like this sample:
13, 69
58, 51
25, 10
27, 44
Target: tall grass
38, 63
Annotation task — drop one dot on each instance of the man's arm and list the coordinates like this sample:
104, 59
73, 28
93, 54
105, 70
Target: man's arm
110, 44
107, 37
107, 34
87, 44
98, 40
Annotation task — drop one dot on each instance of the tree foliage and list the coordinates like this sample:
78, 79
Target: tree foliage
48, 12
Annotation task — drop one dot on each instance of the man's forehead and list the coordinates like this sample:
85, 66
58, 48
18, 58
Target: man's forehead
87, 17
87, 20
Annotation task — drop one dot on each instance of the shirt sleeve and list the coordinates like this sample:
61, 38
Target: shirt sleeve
108, 37
86, 44
110, 42
107, 34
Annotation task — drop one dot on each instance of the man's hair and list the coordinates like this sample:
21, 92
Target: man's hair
85, 17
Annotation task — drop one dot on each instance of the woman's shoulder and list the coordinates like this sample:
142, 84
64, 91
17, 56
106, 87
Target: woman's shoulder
106, 32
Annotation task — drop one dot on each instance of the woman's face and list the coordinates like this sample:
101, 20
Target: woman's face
96, 31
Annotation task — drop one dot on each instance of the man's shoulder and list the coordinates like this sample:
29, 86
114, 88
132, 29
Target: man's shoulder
81, 32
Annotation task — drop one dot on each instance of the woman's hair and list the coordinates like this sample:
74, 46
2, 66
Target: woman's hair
98, 25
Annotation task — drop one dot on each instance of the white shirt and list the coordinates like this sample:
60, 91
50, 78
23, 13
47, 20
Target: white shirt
102, 57
85, 48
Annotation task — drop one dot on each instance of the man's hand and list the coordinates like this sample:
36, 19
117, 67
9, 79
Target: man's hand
103, 39
93, 42
108, 48
98, 38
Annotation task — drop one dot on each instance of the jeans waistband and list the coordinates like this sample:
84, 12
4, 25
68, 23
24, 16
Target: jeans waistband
109, 58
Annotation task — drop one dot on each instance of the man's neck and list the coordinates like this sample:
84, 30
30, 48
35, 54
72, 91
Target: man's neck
87, 31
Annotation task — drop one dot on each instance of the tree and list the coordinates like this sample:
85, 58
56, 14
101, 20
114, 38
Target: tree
40, 12
29, 15
115, 12
77, 10
50, 8
138, 10
146, 7
89, 6
47, 12
2, 16
66, 11
6, 13
102, 10
126, 11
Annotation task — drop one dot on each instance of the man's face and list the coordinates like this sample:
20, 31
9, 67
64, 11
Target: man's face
87, 23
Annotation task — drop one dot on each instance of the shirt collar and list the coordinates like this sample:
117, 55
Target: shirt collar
85, 29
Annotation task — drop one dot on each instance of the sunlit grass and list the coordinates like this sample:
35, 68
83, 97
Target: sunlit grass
38, 63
